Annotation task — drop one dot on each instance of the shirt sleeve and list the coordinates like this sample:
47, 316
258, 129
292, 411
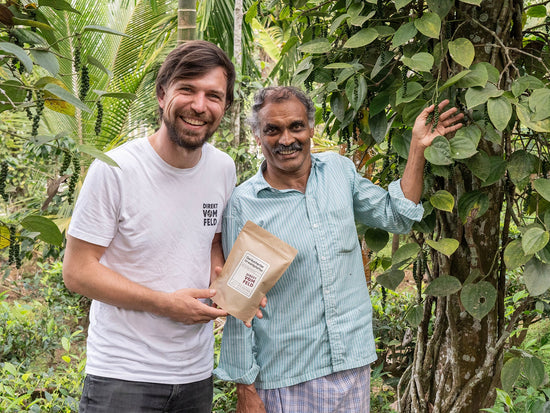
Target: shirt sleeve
237, 359
95, 216
389, 210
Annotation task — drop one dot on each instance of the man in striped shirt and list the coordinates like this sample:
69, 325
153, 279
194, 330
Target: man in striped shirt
312, 349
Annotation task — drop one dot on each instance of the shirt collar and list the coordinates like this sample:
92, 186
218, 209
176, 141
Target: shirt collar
259, 183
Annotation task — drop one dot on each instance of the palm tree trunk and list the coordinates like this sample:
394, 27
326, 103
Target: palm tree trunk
237, 56
187, 20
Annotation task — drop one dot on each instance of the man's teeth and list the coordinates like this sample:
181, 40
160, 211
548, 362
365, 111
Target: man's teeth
287, 151
194, 122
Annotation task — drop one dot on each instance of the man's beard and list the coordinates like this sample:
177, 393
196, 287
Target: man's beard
185, 138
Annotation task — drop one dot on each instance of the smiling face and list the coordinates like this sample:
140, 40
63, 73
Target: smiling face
285, 139
193, 108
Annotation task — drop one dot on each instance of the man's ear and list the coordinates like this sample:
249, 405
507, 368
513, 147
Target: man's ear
160, 98
258, 141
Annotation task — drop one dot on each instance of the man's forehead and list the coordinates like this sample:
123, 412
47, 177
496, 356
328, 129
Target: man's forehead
215, 84
280, 107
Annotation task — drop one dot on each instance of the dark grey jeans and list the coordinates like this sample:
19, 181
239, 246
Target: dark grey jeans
106, 395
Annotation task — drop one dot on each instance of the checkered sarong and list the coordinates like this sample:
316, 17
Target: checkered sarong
345, 391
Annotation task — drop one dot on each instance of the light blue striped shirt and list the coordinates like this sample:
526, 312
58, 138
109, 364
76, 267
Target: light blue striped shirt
318, 318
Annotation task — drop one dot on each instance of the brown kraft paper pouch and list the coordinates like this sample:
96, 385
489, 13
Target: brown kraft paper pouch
257, 260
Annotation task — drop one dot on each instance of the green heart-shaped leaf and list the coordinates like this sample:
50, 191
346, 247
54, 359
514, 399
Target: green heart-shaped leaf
443, 200
498, 168
478, 299
534, 370
66, 96
376, 238
46, 59
534, 240
454, 79
356, 91
429, 25
537, 277
413, 90
510, 373
427, 225
472, 204
544, 254
446, 246
441, 7
443, 286
479, 164
19, 53
48, 231
462, 146
500, 112
539, 103
477, 76
405, 252
391, 279
361, 38
405, 33
521, 165
383, 60
526, 82
415, 315
476, 96
439, 152
422, 62
514, 256
542, 186
378, 126
316, 46
527, 119
96, 153
462, 51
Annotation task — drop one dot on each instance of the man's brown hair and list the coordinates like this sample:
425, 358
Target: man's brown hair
193, 59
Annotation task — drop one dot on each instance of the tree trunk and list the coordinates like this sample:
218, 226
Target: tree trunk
187, 20
238, 58
455, 365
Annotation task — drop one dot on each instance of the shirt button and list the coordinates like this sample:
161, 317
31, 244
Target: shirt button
315, 225
323, 258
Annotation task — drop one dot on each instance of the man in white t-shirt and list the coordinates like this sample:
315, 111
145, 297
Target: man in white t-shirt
145, 241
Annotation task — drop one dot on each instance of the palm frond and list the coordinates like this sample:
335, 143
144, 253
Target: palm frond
129, 58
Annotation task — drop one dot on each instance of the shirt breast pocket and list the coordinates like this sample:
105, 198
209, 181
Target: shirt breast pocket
342, 225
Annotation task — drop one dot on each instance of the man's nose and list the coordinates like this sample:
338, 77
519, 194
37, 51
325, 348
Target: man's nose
286, 138
198, 104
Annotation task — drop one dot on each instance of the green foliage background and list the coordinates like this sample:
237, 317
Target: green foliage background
77, 79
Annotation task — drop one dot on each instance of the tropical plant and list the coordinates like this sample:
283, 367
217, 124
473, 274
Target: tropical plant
372, 66
42, 341
83, 74
216, 23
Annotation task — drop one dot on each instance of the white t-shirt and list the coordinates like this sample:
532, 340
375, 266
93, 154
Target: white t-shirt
157, 223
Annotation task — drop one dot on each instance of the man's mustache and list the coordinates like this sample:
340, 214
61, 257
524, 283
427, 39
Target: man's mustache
296, 146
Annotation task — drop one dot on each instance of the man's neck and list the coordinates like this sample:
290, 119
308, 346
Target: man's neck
281, 180
173, 154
